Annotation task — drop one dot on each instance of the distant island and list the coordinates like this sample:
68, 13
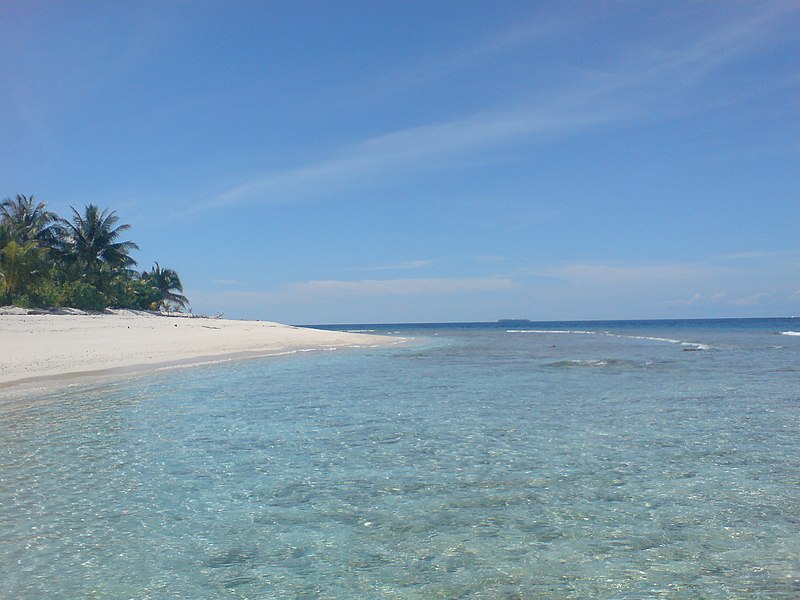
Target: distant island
514, 321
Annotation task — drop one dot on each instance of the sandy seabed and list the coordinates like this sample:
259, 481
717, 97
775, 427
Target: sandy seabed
37, 347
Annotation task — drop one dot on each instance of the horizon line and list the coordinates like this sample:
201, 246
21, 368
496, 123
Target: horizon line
533, 321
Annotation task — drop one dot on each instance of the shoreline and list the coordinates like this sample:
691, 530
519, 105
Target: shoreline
47, 348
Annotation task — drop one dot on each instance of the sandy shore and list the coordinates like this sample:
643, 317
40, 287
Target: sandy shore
41, 346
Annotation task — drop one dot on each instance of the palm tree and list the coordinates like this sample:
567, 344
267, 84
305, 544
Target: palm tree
26, 221
20, 266
5, 234
92, 242
169, 287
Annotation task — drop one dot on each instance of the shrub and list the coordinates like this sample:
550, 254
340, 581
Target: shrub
85, 296
23, 301
47, 293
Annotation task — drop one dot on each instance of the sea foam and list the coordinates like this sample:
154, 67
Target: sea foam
689, 345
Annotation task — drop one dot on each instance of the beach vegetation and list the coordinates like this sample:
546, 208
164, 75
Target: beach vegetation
26, 220
91, 241
21, 266
83, 295
81, 262
168, 286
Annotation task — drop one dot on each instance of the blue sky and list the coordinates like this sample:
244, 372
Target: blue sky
376, 161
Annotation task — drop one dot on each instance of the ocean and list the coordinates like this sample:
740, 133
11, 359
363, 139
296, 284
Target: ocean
620, 459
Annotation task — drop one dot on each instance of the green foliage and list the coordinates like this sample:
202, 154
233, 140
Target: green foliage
21, 266
168, 287
26, 220
23, 301
132, 291
47, 292
79, 294
5, 234
92, 242
82, 263
147, 296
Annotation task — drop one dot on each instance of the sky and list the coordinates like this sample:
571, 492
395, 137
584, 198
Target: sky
423, 161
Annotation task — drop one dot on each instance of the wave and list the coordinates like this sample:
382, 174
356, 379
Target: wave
644, 337
598, 362
796, 333
576, 331
689, 345
581, 363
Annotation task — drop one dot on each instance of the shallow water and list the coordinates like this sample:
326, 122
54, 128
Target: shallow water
613, 460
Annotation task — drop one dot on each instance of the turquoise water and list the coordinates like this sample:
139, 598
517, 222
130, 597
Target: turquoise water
559, 460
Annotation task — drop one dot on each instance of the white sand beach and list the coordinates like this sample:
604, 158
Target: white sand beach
39, 346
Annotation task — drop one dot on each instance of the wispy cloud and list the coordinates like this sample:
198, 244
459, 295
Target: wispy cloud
698, 298
401, 266
711, 286
749, 255
489, 258
326, 290
574, 290
399, 287
537, 28
609, 275
695, 298
754, 299
649, 83
229, 282
416, 148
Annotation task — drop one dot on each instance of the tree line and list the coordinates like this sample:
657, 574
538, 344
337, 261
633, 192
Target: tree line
80, 262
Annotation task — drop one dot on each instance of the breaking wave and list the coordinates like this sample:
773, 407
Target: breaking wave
577, 331
688, 345
598, 362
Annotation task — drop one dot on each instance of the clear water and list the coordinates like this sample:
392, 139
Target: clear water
608, 460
